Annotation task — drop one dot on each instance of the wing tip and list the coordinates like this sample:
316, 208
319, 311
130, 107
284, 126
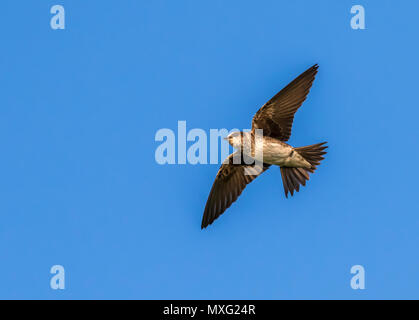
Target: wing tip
206, 224
314, 69
206, 221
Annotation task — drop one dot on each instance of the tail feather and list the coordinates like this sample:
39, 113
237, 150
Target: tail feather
293, 177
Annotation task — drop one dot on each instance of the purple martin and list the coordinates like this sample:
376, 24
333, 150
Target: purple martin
275, 120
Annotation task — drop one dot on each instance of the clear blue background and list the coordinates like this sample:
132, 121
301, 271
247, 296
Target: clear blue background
80, 187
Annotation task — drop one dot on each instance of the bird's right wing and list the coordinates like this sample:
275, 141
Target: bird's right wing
277, 115
229, 183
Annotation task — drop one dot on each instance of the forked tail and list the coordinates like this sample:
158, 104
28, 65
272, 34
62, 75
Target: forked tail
293, 177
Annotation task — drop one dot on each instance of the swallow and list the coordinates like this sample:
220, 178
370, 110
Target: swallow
274, 120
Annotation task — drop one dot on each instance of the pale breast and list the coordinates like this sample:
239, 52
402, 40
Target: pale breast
267, 150
275, 151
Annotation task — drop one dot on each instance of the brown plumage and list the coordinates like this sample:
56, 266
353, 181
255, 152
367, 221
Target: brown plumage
228, 185
275, 118
293, 177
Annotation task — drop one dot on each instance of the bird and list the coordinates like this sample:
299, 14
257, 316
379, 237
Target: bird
274, 120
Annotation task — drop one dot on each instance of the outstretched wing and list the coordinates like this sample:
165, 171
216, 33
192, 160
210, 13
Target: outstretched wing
229, 183
277, 115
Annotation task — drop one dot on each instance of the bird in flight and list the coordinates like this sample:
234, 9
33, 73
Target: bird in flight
274, 120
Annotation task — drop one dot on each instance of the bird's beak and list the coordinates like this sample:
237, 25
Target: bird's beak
225, 138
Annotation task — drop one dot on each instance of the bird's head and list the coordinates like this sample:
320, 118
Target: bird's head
235, 139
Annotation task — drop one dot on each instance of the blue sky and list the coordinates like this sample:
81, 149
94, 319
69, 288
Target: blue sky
80, 186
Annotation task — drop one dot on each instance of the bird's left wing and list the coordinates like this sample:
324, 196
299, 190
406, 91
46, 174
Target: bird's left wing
229, 183
277, 115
